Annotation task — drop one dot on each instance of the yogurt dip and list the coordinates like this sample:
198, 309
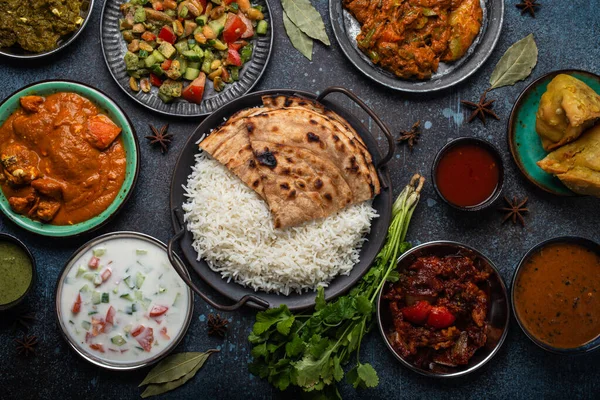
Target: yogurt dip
120, 301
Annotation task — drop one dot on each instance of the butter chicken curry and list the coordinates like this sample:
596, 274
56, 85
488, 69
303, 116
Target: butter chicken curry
411, 37
61, 161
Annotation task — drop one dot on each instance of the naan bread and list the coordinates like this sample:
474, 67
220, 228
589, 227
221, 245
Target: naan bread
577, 164
567, 108
304, 160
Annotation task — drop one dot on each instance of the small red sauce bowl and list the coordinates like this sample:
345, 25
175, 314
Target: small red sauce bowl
468, 174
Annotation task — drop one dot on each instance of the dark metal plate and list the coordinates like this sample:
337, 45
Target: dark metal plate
345, 28
114, 48
375, 239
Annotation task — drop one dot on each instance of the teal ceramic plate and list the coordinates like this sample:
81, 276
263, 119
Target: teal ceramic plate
110, 108
523, 141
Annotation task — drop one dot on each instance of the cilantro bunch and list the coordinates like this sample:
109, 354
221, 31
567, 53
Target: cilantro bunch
309, 350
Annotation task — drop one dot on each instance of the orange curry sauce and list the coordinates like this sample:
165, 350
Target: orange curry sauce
61, 161
557, 295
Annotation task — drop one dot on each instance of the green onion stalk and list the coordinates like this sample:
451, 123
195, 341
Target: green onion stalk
310, 350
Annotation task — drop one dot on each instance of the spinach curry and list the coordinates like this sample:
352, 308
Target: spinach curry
37, 25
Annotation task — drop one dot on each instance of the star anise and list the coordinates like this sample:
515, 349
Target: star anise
411, 137
528, 6
515, 210
26, 346
217, 325
160, 137
24, 320
481, 109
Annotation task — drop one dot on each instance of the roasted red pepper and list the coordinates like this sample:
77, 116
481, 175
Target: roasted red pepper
167, 34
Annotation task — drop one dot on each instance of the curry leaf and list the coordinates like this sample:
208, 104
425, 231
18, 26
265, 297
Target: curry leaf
516, 64
300, 40
154, 389
175, 366
306, 18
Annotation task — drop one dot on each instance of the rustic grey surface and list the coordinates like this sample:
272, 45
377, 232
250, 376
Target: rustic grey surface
567, 35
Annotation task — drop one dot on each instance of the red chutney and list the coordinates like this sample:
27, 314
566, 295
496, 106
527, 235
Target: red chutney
467, 175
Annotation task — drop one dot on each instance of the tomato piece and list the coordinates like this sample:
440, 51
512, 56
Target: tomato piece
97, 347
249, 32
440, 317
110, 315
155, 80
417, 313
98, 326
144, 336
158, 6
203, 2
166, 64
158, 310
88, 337
237, 45
233, 58
94, 263
167, 34
148, 36
164, 334
106, 274
195, 90
77, 305
234, 28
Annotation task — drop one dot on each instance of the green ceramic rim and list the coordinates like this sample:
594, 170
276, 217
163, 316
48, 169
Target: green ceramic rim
130, 142
524, 142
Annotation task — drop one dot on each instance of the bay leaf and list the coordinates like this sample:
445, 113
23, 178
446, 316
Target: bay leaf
299, 39
306, 18
155, 389
516, 64
175, 367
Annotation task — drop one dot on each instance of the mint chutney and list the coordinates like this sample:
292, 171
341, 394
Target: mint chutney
16, 272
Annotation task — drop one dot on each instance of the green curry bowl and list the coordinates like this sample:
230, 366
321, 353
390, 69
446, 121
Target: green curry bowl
130, 144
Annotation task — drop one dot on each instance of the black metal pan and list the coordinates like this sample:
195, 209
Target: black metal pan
239, 294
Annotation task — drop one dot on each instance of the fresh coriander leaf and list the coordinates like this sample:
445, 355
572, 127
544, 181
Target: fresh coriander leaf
259, 368
310, 369
268, 318
352, 377
368, 375
295, 346
393, 276
317, 345
281, 381
259, 350
284, 326
363, 305
354, 337
338, 372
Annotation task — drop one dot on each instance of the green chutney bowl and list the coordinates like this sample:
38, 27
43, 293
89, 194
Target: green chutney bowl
130, 142
523, 140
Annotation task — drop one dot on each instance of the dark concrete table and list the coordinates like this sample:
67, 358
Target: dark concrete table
567, 36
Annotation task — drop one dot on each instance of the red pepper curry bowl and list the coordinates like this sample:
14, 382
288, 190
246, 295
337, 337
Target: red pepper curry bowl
444, 312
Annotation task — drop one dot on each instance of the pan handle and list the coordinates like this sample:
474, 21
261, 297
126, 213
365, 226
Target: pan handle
378, 121
179, 267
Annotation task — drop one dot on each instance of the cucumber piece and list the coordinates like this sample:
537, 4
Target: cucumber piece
99, 252
89, 276
126, 296
182, 46
192, 55
105, 298
138, 295
96, 297
158, 56
143, 54
93, 313
206, 66
177, 296
140, 252
194, 64
97, 279
157, 70
149, 61
191, 73
167, 49
128, 282
84, 289
202, 20
165, 98
86, 325
262, 27
182, 65
80, 271
235, 73
218, 24
199, 51
116, 290
130, 309
118, 340
161, 289
139, 280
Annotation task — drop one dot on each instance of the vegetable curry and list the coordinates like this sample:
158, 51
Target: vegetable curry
411, 37
61, 161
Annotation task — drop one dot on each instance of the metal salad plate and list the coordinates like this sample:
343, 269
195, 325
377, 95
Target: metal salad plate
114, 48
239, 294
346, 28
18, 53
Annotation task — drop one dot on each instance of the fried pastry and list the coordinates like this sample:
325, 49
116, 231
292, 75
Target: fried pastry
567, 108
577, 164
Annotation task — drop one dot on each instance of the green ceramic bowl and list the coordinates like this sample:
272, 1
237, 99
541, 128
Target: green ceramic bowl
524, 142
110, 108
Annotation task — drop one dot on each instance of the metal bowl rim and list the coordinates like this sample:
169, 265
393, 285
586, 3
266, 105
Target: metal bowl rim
498, 345
88, 356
